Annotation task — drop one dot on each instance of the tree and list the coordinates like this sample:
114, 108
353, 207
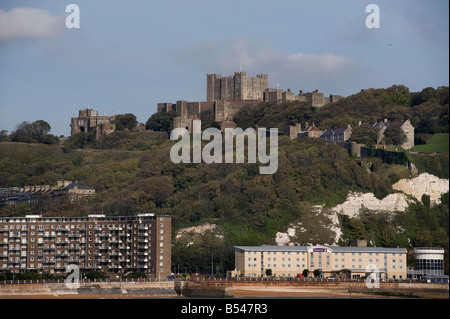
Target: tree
36, 132
305, 273
4, 136
127, 121
394, 134
207, 118
269, 272
160, 121
426, 200
365, 134
40, 129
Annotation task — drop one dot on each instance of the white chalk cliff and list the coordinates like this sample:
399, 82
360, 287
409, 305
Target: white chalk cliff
408, 190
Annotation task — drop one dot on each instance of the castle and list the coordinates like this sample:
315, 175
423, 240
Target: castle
89, 120
227, 95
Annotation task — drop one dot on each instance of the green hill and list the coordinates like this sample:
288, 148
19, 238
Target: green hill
134, 176
438, 143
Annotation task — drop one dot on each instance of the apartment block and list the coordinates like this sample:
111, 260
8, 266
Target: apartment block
340, 262
123, 244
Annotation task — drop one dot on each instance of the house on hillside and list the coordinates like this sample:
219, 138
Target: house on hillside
406, 127
31, 194
311, 131
337, 135
296, 131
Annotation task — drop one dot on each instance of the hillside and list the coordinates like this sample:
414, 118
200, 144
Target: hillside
134, 176
438, 143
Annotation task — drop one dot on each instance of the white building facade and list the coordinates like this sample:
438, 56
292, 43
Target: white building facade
339, 262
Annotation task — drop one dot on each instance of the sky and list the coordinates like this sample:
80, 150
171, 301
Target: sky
127, 56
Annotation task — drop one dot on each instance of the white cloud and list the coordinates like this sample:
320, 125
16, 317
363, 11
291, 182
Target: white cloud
297, 70
28, 23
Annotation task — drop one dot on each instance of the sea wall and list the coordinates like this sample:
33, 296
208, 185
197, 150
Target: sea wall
155, 288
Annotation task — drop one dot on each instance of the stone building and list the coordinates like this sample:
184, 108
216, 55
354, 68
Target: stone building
88, 120
227, 95
236, 87
337, 135
314, 99
31, 194
406, 126
296, 131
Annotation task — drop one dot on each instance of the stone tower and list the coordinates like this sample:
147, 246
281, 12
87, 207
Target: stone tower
88, 119
236, 87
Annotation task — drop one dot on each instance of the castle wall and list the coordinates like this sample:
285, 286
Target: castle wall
226, 96
315, 98
166, 107
334, 98
196, 108
227, 109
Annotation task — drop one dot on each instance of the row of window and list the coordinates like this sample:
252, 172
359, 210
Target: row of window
336, 259
302, 266
82, 265
320, 253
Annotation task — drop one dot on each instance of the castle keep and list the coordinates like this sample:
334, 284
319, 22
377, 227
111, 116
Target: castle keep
236, 87
227, 95
89, 120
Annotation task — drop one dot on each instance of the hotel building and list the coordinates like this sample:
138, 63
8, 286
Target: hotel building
139, 243
340, 262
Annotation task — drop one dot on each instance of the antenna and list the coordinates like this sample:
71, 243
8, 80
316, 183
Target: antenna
240, 66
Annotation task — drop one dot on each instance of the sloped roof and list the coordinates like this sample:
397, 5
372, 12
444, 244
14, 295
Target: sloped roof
73, 185
337, 131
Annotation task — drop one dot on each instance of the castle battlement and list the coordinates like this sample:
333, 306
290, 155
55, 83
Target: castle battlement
227, 95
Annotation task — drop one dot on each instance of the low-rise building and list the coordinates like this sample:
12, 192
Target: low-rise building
31, 194
297, 131
336, 261
406, 126
337, 135
139, 243
428, 264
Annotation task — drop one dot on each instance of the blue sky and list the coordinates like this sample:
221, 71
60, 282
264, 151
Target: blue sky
127, 56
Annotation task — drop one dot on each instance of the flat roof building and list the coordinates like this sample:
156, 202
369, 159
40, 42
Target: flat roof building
341, 262
122, 244
428, 263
